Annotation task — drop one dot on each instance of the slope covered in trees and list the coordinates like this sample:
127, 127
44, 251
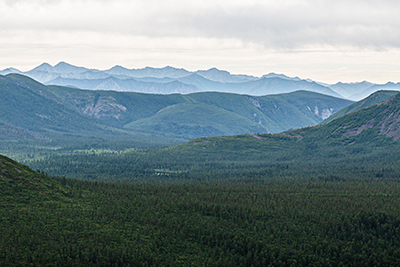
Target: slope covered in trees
236, 222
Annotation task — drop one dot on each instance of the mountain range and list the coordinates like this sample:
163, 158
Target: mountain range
169, 80
34, 111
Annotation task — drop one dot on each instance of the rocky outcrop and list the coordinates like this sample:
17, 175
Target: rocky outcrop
104, 106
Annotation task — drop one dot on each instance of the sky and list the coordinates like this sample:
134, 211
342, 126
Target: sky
324, 40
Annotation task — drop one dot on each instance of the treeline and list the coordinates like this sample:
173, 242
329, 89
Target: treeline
266, 222
306, 160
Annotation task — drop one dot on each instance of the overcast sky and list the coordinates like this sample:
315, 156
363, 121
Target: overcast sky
327, 41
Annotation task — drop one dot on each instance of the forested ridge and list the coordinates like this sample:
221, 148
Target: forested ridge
235, 222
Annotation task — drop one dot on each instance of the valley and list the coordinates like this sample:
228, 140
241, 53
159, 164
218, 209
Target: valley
199, 179
199, 133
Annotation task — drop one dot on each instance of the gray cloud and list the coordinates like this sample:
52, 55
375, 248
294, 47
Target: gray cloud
325, 40
276, 24
306, 23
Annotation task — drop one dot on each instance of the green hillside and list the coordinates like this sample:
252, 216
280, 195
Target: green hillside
52, 109
197, 120
19, 184
275, 112
38, 120
373, 99
32, 106
240, 221
115, 108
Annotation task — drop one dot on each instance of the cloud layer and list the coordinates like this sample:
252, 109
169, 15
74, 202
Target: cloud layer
247, 33
278, 24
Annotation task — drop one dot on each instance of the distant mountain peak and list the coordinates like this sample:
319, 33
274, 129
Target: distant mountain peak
13, 69
353, 83
117, 68
224, 76
44, 64
63, 67
282, 76
63, 64
390, 83
44, 67
364, 82
9, 70
215, 70
171, 68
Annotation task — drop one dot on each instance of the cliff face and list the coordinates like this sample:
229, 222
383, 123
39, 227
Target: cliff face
390, 123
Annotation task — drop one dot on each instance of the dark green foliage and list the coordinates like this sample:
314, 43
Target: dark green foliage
236, 222
20, 184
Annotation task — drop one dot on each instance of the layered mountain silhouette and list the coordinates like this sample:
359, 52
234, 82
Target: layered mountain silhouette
170, 80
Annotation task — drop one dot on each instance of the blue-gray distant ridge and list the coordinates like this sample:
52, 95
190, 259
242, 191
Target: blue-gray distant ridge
170, 80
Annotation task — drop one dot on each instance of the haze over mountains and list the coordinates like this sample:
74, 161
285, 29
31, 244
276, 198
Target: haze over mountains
169, 80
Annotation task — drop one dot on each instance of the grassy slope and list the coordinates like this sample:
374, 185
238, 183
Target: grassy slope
135, 105
31, 105
196, 120
275, 112
299, 109
19, 184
